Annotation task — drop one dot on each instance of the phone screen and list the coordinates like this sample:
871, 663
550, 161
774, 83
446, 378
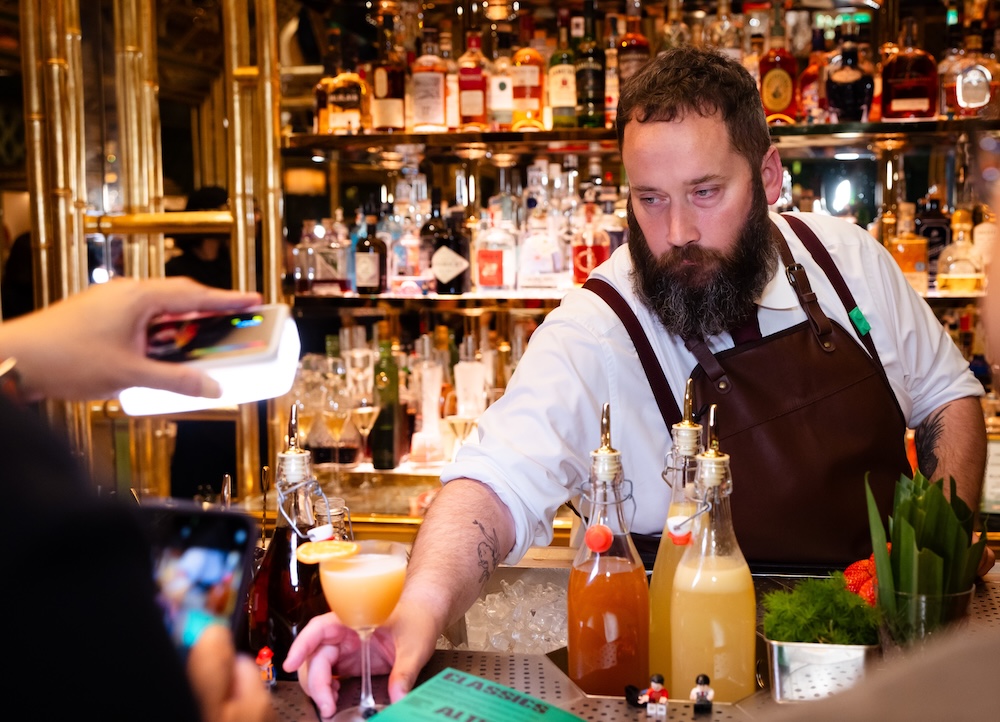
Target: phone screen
208, 335
201, 563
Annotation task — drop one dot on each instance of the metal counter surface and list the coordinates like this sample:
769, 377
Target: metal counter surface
541, 676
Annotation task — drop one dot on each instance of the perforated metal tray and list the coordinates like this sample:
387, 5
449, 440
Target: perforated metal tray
540, 676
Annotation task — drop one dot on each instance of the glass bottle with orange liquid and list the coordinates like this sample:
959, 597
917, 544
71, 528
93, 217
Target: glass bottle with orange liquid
285, 593
679, 472
608, 596
713, 615
910, 250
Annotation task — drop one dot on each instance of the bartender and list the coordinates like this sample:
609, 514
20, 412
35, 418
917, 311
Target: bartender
802, 329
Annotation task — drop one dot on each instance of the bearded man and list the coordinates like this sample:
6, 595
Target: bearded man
800, 328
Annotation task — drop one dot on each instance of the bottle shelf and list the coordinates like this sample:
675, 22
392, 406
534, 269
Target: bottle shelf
601, 140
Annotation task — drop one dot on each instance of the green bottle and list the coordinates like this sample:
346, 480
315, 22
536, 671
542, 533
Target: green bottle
386, 440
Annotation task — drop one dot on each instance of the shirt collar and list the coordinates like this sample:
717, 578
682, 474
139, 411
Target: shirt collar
778, 294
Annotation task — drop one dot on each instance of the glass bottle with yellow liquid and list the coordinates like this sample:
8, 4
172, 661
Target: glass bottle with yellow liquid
713, 614
909, 249
679, 472
960, 266
608, 596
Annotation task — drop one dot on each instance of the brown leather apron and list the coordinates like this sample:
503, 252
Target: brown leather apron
805, 415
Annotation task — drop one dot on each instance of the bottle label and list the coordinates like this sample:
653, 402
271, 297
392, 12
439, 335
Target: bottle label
526, 77
501, 100
451, 101
562, 87
910, 105
629, 64
446, 265
366, 270
381, 84
490, 268
428, 99
388, 113
587, 258
776, 90
472, 92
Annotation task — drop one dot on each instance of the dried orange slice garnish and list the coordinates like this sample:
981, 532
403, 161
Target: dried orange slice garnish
317, 551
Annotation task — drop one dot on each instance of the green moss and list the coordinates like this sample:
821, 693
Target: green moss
819, 610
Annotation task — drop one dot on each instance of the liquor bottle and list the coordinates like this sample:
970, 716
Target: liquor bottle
713, 613
501, 95
562, 77
388, 436
450, 262
528, 72
429, 87
388, 104
451, 82
751, 61
474, 72
954, 51
675, 32
611, 223
633, 47
909, 79
331, 256
848, 88
679, 471
591, 246
426, 444
972, 81
284, 593
590, 73
613, 32
933, 225
779, 74
812, 82
724, 32
984, 236
960, 267
342, 101
428, 235
909, 249
608, 596
371, 257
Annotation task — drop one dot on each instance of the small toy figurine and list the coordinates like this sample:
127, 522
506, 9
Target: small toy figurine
702, 695
265, 660
655, 697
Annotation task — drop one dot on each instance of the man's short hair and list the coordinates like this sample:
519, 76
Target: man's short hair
692, 80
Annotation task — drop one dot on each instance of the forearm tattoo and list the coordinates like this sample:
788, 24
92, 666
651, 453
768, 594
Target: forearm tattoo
926, 438
488, 550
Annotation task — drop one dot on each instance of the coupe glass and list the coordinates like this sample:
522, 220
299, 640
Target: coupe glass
363, 590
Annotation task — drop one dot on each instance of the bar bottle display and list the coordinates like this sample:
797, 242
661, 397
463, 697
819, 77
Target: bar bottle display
388, 104
713, 611
608, 596
679, 471
909, 79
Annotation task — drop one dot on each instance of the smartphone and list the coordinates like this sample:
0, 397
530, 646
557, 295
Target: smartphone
202, 561
211, 338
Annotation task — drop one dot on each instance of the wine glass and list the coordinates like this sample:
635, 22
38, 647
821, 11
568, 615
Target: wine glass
366, 409
363, 589
337, 406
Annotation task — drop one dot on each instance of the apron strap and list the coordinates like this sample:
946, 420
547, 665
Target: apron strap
822, 257
796, 274
654, 372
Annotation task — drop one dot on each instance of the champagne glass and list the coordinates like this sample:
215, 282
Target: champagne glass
363, 589
337, 405
366, 409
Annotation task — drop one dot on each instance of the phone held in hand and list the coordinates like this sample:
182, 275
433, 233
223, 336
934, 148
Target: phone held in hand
252, 353
201, 566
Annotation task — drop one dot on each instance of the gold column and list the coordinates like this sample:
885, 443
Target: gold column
50, 40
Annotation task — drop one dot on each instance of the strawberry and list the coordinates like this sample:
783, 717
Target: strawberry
858, 573
872, 557
869, 591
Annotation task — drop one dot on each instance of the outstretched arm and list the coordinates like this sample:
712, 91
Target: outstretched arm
93, 344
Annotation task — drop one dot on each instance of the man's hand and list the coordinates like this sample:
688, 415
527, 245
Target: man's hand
93, 344
227, 686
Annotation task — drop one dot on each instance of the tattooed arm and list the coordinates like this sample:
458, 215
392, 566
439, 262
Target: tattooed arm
951, 441
466, 532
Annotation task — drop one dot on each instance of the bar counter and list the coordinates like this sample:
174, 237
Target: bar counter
542, 675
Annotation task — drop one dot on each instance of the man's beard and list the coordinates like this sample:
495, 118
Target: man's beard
698, 292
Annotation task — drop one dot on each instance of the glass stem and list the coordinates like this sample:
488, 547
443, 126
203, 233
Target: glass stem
367, 702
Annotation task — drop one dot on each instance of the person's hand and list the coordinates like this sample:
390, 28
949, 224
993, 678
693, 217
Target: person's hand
93, 344
227, 686
325, 648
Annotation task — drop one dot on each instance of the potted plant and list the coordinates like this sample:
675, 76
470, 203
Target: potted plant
820, 637
926, 575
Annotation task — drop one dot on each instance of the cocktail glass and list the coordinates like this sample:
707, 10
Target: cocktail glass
363, 590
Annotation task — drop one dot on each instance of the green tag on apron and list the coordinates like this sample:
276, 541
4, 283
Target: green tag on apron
860, 322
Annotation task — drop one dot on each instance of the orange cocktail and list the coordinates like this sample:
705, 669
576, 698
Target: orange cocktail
363, 589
